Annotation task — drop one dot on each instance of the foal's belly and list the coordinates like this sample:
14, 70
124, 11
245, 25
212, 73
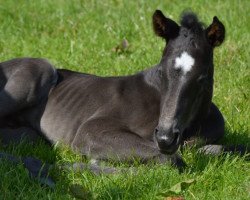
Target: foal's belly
65, 111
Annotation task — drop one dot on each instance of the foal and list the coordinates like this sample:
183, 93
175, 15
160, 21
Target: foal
147, 115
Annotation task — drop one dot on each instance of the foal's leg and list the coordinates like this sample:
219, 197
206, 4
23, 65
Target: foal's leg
28, 82
26, 86
108, 139
209, 132
213, 128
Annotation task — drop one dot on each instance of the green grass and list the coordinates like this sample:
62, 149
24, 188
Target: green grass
80, 35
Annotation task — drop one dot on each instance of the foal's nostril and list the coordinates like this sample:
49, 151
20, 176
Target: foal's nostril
176, 132
175, 128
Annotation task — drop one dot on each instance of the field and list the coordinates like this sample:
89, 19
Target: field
82, 36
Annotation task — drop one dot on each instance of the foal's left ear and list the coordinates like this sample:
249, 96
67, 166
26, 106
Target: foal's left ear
164, 27
215, 33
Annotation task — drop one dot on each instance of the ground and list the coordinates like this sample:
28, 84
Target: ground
84, 36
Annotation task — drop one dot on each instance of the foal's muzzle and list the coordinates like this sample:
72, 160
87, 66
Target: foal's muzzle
168, 140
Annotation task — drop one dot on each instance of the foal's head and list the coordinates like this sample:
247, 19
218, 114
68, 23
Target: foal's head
186, 71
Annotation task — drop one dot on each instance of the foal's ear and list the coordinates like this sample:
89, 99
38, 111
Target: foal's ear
164, 27
215, 32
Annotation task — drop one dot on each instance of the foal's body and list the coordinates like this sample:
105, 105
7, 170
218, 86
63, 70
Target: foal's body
117, 120
102, 117
146, 115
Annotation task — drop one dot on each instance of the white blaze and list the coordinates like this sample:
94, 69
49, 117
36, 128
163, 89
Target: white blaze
184, 62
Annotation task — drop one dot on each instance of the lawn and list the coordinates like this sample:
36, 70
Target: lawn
81, 36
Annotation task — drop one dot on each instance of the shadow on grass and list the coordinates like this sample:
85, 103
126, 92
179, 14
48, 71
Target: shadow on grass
236, 145
15, 171
236, 138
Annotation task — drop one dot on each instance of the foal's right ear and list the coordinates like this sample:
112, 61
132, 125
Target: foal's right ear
164, 27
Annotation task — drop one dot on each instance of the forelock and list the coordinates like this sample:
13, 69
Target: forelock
190, 21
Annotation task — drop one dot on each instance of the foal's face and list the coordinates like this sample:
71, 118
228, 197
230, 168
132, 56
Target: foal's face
186, 74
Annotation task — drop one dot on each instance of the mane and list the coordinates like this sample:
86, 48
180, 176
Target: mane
190, 20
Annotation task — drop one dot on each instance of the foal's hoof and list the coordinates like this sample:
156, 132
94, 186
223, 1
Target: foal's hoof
211, 149
220, 149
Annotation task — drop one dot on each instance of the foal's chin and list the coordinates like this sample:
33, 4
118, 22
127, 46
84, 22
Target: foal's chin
169, 150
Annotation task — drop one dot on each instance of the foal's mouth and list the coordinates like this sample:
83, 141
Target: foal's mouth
166, 148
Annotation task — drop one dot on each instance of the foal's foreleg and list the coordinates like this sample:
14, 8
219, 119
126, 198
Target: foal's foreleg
109, 139
210, 131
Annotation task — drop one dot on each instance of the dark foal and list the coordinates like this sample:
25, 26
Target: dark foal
146, 116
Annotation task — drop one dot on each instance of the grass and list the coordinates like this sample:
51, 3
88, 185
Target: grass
80, 35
